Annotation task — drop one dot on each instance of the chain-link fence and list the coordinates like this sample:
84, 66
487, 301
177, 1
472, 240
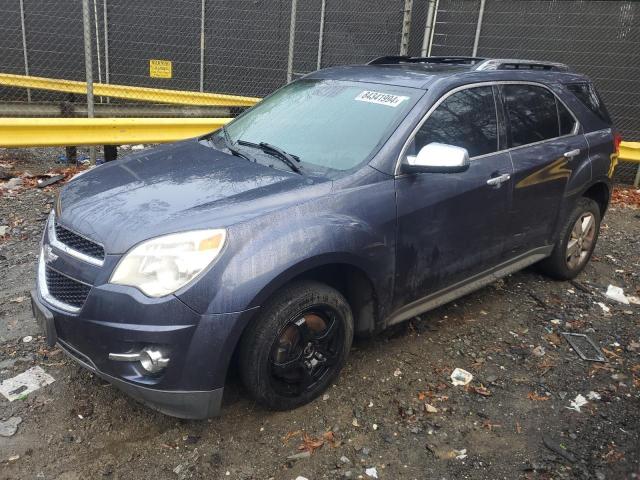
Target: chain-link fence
251, 47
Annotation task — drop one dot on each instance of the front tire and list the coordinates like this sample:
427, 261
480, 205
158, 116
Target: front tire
297, 345
576, 242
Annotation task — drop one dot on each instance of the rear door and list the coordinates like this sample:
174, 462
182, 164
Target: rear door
453, 225
546, 149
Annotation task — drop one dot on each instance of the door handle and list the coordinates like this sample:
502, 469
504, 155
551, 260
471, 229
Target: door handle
497, 181
572, 153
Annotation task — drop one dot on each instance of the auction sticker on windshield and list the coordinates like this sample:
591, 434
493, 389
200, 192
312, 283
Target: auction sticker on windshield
380, 98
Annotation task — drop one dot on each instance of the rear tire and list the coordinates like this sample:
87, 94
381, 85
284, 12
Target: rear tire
576, 242
297, 345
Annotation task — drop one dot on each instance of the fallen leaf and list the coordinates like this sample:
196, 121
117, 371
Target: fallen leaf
480, 390
537, 398
290, 435
309, 443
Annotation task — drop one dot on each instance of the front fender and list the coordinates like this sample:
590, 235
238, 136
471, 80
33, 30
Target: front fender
265, 253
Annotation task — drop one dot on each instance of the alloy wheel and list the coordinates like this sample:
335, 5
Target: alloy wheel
581, 240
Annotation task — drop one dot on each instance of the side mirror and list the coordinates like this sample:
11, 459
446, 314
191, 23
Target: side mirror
437, 158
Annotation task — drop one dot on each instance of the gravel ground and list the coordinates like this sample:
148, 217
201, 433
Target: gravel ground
393, 409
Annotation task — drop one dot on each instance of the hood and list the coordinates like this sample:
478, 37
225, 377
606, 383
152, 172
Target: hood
172, 188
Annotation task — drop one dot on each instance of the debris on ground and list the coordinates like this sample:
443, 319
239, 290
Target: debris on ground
586, 348
49, 180
23, 384
9, 427
558, 449
617, 294
577, 403
627, 197
371, 472
460, 377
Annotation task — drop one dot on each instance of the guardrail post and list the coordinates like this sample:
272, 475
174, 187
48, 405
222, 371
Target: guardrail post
88, 67
66, 110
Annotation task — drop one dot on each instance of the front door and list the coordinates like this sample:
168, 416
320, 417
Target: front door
452, 225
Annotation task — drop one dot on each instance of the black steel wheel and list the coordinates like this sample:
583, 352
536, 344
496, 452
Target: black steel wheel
297, 346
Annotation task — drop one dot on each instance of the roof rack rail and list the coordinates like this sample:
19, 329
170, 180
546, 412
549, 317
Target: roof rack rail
516, 64
397, 59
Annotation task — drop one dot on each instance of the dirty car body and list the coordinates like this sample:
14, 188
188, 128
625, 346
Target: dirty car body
363, 217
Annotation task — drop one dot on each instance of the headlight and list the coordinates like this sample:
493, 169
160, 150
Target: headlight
162, 265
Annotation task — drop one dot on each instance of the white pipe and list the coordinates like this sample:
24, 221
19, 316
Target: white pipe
24, 47
433, 27
476, 40
202, 12
428, 26
321, 34
292, 39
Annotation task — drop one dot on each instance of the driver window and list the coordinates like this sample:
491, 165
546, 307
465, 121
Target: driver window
465, 119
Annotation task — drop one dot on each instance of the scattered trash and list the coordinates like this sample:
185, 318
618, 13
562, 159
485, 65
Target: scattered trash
345, 460
539, 351
300, 456
374, 426
23, 384
397, 372
13, 458
584, 347
11, 184
355, 423
4, 229
137, 147
604, 308
556, 321
577, 403
45, 182
558, 449
300, 477
593, 395
617, 294
634, 300
430, 408
27, 339
371, 472
461, 454
9, 427
460, 377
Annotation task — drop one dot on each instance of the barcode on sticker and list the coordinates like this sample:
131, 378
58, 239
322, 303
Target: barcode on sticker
380, 98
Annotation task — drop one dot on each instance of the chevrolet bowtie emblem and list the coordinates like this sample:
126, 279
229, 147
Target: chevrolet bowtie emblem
49, 256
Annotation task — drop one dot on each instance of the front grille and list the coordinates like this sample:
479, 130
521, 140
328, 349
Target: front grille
65, 289
81, 244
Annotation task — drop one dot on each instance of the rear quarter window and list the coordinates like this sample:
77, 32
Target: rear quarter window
587, 94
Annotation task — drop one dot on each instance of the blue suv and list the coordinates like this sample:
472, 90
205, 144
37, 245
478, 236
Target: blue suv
352, 199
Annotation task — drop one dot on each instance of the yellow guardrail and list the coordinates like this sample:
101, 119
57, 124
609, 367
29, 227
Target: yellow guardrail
140, 94
54, 132
630, 152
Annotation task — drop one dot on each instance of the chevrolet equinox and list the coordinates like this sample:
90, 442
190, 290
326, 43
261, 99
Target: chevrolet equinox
352, 199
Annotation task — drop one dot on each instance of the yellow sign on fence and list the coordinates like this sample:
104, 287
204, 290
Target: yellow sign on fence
160, 69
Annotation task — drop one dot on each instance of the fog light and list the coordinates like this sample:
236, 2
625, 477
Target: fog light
153, 360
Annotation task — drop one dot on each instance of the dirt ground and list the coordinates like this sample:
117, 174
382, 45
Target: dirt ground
394, 408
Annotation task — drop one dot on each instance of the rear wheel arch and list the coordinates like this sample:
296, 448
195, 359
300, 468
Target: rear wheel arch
599, 192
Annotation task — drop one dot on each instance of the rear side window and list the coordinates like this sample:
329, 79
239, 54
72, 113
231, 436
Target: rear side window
567, 121
465, 119
588, 95
532, 114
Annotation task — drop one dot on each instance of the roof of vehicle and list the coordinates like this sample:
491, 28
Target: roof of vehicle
421, 72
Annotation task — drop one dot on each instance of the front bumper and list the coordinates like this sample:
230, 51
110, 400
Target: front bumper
113, 320
182, 404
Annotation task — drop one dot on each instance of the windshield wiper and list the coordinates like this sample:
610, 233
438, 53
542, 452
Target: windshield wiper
287, 158
228, 143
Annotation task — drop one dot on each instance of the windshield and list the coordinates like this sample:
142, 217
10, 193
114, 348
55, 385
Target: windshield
333, 125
